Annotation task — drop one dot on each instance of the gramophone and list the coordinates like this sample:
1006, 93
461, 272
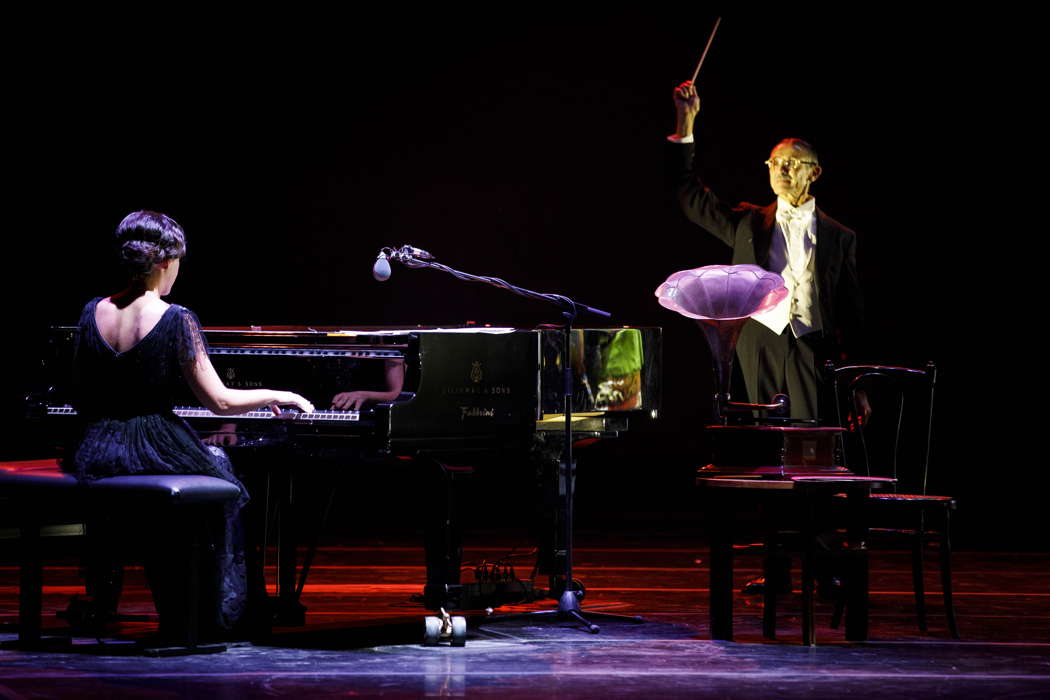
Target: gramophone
721, 298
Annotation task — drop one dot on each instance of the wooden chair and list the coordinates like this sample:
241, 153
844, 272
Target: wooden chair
896, 441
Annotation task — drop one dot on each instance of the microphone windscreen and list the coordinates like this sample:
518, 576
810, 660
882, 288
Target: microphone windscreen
381, 270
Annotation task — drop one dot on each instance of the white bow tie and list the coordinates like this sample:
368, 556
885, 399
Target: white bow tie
790, 214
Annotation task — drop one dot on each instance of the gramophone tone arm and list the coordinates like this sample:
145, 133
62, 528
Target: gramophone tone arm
781, 404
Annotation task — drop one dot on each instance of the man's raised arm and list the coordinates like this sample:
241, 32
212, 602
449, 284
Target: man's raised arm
698, 203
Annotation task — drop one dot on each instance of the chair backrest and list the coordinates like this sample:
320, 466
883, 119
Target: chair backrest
896, 438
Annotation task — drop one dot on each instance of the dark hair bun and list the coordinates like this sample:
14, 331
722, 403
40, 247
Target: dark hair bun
139, 257
145, 238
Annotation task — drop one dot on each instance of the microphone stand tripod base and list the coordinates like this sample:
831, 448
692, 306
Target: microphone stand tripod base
569, 609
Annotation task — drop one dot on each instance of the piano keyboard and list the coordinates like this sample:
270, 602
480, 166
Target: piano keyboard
262, 414
369, 354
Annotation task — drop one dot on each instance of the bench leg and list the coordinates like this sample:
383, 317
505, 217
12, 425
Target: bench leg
180, 620
30, 585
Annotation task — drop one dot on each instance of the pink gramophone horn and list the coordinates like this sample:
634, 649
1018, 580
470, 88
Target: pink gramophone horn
721, 298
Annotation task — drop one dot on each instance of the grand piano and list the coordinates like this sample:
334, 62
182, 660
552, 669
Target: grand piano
469, 393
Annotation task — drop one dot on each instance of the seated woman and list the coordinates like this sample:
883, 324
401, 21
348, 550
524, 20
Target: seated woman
134, 353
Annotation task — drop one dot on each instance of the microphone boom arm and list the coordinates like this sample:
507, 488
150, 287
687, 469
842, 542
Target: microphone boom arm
570, 307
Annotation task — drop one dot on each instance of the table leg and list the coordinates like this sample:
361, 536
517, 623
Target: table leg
857, 590
772, 567
809, 537
721, 597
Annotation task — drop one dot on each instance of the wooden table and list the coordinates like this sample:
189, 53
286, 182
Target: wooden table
803, 496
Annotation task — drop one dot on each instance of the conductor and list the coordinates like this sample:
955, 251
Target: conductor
783, 349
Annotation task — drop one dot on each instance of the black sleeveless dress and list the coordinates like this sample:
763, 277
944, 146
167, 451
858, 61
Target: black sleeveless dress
125, 401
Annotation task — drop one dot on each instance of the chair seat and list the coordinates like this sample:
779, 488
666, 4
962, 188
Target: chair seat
912, 498
907, 498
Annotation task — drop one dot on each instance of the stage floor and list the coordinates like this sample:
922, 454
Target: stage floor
362, 635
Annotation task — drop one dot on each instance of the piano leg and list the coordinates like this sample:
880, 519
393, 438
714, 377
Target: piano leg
271, 518
288, 611
443, 532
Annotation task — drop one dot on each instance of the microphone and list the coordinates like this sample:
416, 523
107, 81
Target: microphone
381, 268
406, 255
408, 251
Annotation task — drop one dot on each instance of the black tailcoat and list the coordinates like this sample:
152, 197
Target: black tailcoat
748, 230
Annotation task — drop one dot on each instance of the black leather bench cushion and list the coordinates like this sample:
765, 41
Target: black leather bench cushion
43, 477
171, 488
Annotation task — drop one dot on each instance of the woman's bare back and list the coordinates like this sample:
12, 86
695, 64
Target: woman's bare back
124, 322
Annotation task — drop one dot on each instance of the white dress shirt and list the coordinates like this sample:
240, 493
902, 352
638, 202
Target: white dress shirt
792, 255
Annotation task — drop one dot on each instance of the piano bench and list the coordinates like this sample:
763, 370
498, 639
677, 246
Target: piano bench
37, 495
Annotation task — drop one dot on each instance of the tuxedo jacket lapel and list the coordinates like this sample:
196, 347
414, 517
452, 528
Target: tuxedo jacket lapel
824, 249
829, 260
763, 237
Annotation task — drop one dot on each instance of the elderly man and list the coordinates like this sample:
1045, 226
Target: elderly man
781, 350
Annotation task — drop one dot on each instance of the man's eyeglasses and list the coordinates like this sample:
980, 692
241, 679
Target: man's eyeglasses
791, 163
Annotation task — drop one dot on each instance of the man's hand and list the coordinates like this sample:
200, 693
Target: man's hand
861, 413
687, 106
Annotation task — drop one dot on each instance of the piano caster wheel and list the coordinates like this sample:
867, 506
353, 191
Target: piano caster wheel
459, 631
444, 628
431, 630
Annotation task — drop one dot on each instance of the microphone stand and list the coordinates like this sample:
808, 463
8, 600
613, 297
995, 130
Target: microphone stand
569, 601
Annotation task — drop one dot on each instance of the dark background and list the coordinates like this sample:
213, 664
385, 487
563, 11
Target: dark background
529, 144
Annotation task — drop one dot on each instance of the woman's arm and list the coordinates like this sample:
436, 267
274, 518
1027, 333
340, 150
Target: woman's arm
395, 380
200, 374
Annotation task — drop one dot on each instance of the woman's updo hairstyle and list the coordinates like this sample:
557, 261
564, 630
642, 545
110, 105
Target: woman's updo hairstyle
145, 238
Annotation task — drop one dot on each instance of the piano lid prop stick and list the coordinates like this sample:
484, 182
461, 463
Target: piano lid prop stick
704, 54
